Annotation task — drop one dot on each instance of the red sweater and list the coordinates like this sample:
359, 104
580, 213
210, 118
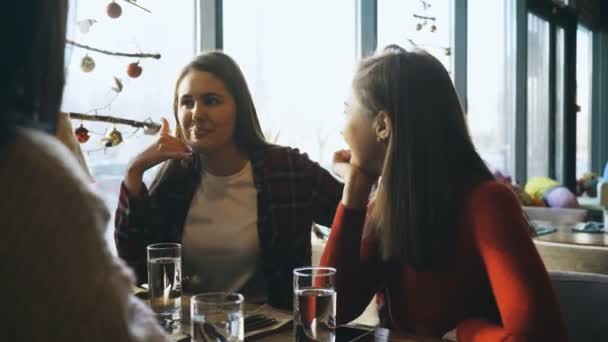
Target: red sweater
495, 287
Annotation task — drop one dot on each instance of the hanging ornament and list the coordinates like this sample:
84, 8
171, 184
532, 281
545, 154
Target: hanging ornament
425, 5
150, 128
85, 25
114, 10
82, 134
87, 64
423, 21
117, 87
133, 2
134, 70
113, 138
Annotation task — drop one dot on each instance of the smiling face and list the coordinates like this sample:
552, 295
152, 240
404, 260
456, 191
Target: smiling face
206, 112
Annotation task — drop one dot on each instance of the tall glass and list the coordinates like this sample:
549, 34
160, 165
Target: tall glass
314, 304
217, 316
165, 283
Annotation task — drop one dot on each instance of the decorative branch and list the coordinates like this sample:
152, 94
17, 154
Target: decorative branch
424, 17
149, 126
112, 53
136, 5
425, 4
446, 49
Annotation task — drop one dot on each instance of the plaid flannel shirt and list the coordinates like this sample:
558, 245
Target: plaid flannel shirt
292, 193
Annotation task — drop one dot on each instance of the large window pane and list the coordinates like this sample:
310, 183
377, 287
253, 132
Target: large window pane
490, 80
168, 30
538, 97
298, 58
583, 99
397, 25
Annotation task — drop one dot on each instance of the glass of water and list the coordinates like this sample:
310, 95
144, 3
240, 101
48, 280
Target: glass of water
314, 304
217, 317
165, 283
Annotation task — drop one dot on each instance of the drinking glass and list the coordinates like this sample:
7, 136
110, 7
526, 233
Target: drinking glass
165, 283
217, 316
314, 304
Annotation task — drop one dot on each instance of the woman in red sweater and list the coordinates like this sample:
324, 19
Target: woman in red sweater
447, 248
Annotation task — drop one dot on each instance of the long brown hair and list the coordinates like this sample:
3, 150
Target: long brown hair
33, 38
430, 162
248, 134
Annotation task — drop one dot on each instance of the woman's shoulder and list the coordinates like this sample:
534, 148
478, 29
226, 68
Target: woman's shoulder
493, 201
491, 193
37, 163
46, 155
274, 150
281, 157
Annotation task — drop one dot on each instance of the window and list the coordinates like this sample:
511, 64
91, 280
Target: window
298, 58
168, 30
490, 81
403, 22
584, 53
538, 95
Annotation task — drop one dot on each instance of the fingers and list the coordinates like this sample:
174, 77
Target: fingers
172, 152
342, 156
340, 169
165, 128
364, 167
344, 153
172, 146
169, 142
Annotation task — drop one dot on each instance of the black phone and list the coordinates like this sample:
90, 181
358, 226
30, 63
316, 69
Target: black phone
346, 333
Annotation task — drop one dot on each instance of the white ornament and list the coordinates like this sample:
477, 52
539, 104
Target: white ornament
117, 86
85, 25
149, 129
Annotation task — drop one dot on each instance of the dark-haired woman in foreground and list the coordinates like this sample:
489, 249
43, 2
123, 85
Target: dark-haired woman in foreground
59, 281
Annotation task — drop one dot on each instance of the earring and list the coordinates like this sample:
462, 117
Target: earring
378, 139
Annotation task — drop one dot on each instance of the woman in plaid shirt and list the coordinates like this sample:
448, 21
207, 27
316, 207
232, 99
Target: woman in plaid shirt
215, 166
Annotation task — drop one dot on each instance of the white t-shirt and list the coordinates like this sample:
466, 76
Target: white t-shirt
220, 244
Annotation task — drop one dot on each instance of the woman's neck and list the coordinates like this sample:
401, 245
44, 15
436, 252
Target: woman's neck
225, 161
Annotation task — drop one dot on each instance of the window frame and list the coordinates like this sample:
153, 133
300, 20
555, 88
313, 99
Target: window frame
209, 25
599, 106
565, 18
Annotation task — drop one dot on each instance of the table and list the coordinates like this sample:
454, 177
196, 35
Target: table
380, 335
286, 333
570, 251
567, 236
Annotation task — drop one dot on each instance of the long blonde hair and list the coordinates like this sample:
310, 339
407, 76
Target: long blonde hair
430, 162
248, 133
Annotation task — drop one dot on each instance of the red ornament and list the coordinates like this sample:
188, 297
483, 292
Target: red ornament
82, 134
134, 70
114, 10
433, 28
